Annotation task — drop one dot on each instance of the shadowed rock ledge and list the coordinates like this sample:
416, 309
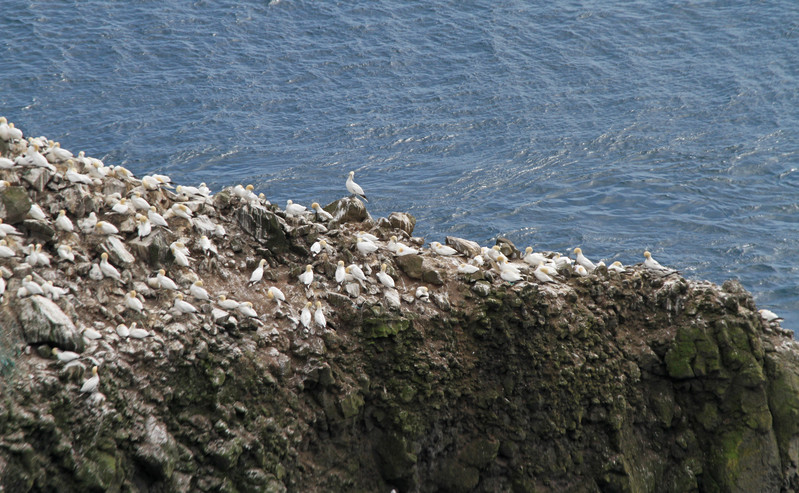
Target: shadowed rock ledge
618, 381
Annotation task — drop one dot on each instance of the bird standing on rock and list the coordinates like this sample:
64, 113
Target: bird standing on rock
258, 273
354, 188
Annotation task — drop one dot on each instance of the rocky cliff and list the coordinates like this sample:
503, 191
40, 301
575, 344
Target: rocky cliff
638, 380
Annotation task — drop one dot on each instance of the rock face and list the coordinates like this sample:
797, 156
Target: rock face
631, 381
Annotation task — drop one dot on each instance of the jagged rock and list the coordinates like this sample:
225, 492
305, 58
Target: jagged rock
222, 199
37, 178
347, 210
41, 321
402, 221
158, 454
77, 201
411, 265
466, 247
265, 226
41, 231
153, 248
508, 249
113, 185
14, 204
117, 251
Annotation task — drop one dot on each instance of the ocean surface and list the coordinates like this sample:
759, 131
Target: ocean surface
614, 126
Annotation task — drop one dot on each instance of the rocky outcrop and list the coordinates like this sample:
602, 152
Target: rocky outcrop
618, 381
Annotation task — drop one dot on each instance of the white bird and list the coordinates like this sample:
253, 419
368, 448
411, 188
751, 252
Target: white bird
150, 183
3, 286
179, 252
58, 153
182, 306
87, 225
321, 213
7, 229
508, 272
31, 286
145, 226
403, 250
616, 267
37, 213
354, 188
319, 315
107, 269
189, 191
365, 246
305, 315
582, 260
534, 259
65, 356
258, 273
204, 190
341, 272
493, 253
165, 282
133, 302
423, 293
226, 303
239, 191
768, 315
7, 130
367, 236
92, 384
440, 249
653, 264
356, 272
247, 310
74, 177
207, 246
307, 276
393, 245
276, 294
53, 292
123, 331
580, 270
6, 251
122, 207
181, 210
543, 273
156, 218
6, 163
467, 269
105, 228
62, 222
138, 333
37, 256
384, 278
317, 247
198, 291
139, 203
293, 209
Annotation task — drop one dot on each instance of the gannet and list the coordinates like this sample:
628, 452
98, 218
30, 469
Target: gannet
423, 293
92, 384
293, 209
3, 286
494, 252
384, 278
198, 291
367, 236
207, 246
133, 302
769, 316
340, 272
204, 190
403, 250
356, 272
181, 210
307, 276
226, 303
165, 282
59, 154
87, 225
105, 228
5, 250
145, 226
36, 256
508, 272
542, 273
187, 190
183, 306
139, 202
73, 176
37, 213
321, 213
239, 191
354, 188
178, 252
6, 163
533, 259
7, 229
91, 334
65, 356
653, 264
258, 273
138, 333
392, 244
317, 247
580, 270
53, 292
7, 130
467, 269
220, 231
122, 173
123, 331
62, 222
107, 269
616, 267
150, 183
156, 218
305, 315
582, 260
440, 249
365, 246
247, 310
319, 315
276, 294
163, 180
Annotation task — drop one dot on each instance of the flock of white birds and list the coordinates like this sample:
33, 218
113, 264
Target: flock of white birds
151, 206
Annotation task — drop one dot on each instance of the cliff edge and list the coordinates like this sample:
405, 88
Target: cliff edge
634, 380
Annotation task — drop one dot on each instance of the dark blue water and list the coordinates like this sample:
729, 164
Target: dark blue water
614, 126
